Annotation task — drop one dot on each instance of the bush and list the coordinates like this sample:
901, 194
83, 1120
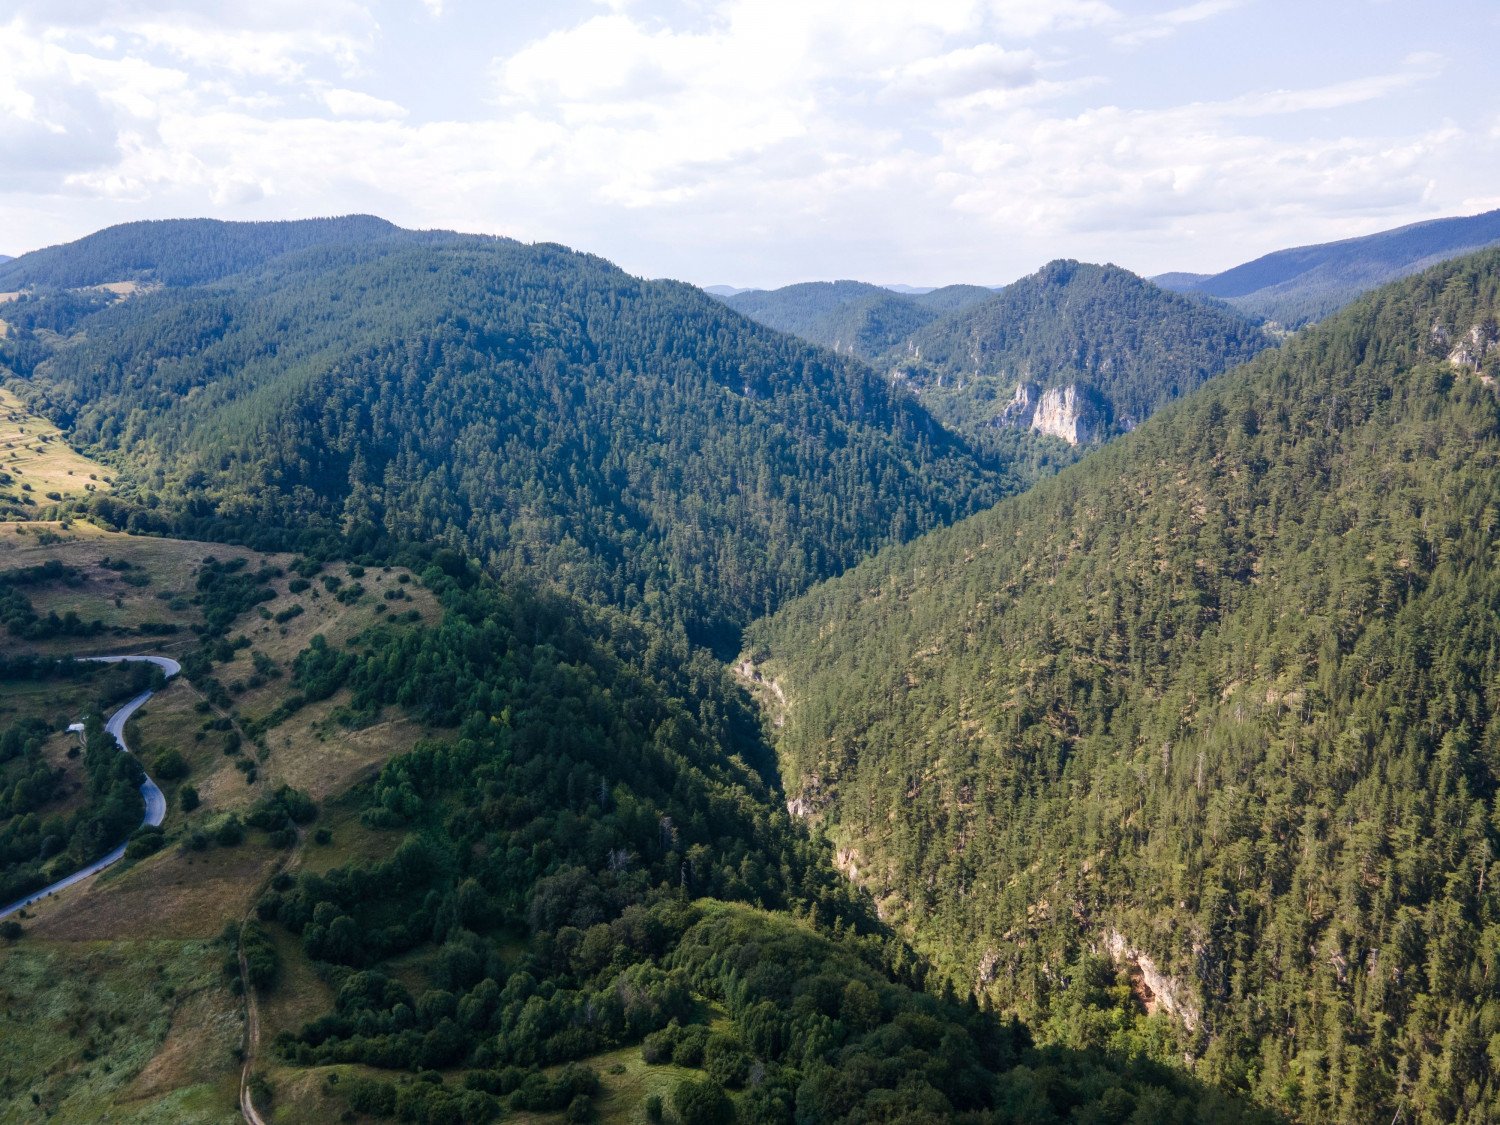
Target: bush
188, 798
145, 841
169, 765
262, 961
726, 1061
689, 1049
702, 1103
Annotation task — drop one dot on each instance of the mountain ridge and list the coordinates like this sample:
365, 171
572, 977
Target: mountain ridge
1305, 283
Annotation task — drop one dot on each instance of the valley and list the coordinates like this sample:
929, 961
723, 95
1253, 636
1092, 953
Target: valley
597, 705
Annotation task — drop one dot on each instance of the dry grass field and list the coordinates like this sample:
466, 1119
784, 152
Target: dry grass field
41, 466
156, 589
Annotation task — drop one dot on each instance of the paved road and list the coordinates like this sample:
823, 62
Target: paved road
156, 803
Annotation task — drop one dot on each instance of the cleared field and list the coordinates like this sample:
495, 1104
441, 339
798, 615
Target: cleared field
299, 995
170, 894
57, 701
34, 452
126, 1031
314, 750
155, 590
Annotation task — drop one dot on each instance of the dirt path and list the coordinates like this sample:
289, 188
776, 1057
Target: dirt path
288, 865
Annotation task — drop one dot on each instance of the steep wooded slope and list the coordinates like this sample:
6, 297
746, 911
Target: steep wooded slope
851, 317
1307, 283
537, 407
1222, 697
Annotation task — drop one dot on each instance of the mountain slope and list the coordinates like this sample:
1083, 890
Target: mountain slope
187, 251
539, 408
1123, 347
846, 316
1220, 700
952, 298
1307, 283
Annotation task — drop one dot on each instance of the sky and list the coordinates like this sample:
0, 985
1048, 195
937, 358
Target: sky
762, 142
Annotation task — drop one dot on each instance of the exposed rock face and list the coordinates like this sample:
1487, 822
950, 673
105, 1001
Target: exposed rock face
1475, 346
1021, 409
1067, 413
1156, 988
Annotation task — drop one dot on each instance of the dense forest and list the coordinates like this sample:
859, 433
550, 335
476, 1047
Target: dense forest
1164, 791
605, 795
536, 408
179, 252
1219, 700
1130, 346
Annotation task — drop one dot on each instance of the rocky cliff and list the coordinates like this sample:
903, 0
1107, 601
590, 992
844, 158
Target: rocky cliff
1069, 412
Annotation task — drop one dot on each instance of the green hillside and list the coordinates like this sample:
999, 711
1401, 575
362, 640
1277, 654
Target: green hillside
850, 317
535, 407
1220, 700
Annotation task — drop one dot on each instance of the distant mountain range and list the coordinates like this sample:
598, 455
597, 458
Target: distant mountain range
1295, 287
852, 317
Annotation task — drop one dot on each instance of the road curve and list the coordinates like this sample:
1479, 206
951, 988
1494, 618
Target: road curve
156, 802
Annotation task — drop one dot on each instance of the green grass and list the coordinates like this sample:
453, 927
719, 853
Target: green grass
80, 1023
58, 701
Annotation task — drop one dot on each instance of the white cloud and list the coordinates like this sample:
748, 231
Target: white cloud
1164, 24
764, 136
353, 103
967, 70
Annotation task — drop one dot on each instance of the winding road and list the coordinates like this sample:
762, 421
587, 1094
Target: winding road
156, 803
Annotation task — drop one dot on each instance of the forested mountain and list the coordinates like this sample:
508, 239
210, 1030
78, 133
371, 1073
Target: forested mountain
852, 317
1123, 346
189, 251
951, 298
1221, 700
1293, 287
582, 868
538, 408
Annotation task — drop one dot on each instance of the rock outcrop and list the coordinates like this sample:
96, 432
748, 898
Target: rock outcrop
1156, 989
1069, 412
1475, 347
